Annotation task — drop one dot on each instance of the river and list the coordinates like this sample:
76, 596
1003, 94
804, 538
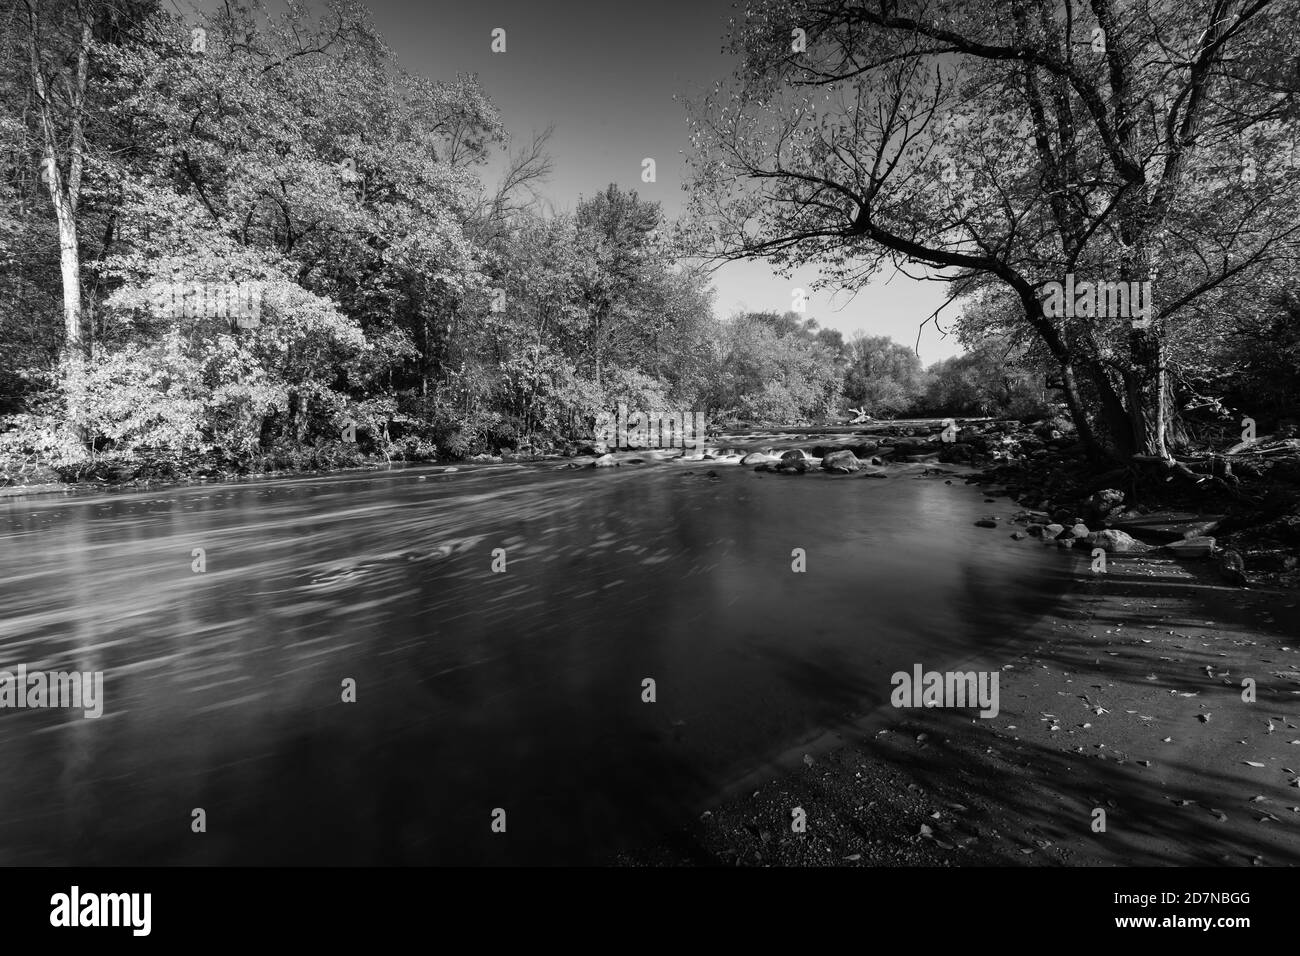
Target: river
475, 689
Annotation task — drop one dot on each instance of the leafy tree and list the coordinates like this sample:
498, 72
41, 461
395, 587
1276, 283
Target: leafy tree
771, 368
882, 377
1008, 144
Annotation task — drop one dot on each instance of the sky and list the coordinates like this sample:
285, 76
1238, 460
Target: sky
605, 73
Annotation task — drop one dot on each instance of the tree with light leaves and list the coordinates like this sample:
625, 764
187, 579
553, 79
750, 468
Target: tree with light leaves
1010, 143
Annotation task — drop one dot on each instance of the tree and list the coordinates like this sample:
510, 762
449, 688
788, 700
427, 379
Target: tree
1000, 143
58, 42
883, 377
989, 380
296, 153
771, 367
58, 58
615, 236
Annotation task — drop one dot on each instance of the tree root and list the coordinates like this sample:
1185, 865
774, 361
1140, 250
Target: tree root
1175, 468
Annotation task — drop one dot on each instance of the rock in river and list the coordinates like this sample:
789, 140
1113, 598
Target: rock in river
842, 462
1112, 540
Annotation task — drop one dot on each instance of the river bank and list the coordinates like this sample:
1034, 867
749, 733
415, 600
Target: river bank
1130, 731
1126, 699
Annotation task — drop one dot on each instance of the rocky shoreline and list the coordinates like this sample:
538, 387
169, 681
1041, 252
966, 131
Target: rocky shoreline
1246, 518
1126, 699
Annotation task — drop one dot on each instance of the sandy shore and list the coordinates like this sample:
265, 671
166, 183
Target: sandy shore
1127, 698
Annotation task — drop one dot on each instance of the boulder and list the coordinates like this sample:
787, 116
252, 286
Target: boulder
795, 454
861, 450
1112, 541
791, 466
841, 462
1102, 504
605, 461
757, 458
986, 523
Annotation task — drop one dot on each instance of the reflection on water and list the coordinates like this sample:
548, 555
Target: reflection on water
475, 690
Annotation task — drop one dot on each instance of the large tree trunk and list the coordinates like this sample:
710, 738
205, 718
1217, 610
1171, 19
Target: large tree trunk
69, 269
1078, 410
1146, 386
74, 339
64, 189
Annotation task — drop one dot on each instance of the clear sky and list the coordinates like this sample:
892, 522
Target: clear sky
605, 73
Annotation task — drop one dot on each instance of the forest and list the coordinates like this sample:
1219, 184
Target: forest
417, 301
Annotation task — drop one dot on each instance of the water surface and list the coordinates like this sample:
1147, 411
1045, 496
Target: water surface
476, 690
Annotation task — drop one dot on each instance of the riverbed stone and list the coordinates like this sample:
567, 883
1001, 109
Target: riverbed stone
1103, 503
841, 462
1112, 540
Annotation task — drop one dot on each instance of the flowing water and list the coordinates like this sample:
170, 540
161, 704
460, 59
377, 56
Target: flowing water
475, 690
